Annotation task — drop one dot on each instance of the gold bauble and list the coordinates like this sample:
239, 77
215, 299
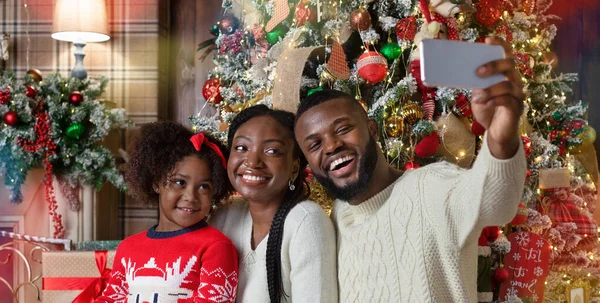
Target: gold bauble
36, 74
394, 126
412, 113
588, 136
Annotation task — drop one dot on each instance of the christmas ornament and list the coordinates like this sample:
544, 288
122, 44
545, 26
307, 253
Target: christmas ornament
75, 98
501, 275
304, 14
489, 11
406, 29
434, 27
477, 129
462, 107
337, 65
281, 11
394, 126
360, 19
211, 91
526, 145
411, 165
11, 118
588, 136
521, 216
391, 50
528, 6
412, 113
550, 58
314, 90
31, 92
75, 131
228, 24
273, 36
428, 145
492, 233
372, 67
214, 30
35, 74
4, 97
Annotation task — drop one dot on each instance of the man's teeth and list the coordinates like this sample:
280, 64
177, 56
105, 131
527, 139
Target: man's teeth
253, 178
339, 161
189, 210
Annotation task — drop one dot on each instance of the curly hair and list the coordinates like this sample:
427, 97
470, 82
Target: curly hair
155, 152
291, 198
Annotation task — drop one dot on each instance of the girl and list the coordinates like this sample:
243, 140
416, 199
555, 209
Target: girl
287, 244
180, 259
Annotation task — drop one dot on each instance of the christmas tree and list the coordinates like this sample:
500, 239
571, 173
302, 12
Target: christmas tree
276, 51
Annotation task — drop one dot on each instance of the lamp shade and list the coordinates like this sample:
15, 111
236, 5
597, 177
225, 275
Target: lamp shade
80, 20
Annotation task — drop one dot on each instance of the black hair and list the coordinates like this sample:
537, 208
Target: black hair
323, 96
158, 148
291, 198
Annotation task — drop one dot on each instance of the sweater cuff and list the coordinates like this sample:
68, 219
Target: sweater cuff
502, 168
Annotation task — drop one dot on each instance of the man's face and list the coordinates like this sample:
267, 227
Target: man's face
339, 143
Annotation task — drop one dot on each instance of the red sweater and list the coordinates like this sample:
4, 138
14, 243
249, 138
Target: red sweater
195, 264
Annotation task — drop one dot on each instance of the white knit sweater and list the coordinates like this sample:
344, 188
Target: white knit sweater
308, 263
416, 241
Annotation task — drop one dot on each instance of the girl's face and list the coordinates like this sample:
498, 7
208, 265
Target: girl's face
185, 198
261, 162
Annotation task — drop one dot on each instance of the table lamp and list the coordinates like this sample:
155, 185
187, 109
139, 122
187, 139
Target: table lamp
80, 22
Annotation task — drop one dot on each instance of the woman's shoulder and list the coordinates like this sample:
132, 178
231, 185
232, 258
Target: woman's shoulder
308, 212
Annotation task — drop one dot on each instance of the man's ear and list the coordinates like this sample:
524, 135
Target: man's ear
373, 129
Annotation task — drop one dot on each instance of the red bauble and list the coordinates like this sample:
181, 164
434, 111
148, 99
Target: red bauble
372, 66
521, 216
305, 13
360, 19
428, 145
212, 91
411, 165
489, 11
477, 129
11, 118
406, 29
526, 145
75, 98
462, 107
4, 97
501, 275
31, 92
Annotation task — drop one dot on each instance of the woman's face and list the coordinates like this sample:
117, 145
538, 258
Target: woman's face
262, 161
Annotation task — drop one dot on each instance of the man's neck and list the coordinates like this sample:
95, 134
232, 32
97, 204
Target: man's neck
383, 176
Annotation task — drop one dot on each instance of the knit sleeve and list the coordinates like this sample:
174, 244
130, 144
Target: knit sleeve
488, 193
116, 288
218, 274
312, 257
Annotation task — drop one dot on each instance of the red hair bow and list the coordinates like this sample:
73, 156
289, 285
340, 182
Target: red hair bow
199, 139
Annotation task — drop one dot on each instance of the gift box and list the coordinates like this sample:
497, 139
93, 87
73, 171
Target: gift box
97, 245
75, 276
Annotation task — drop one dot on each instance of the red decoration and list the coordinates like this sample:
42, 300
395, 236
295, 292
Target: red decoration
501, 275
305, 13
525, 64
451, 26
428, 145
372, 66
504, 30
462, 106
560, 205
75, 98
90, 287
411, 165
406, 29
4, 97
527, 265
477, 129
521, 216
528, 6
212, 91
526, 145
228, 24
31, 92
489, 11
360, 19
44, 142
11, 118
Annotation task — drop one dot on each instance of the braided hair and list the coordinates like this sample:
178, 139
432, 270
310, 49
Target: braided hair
291, 198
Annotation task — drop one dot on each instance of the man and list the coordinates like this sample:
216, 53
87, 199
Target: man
412, 236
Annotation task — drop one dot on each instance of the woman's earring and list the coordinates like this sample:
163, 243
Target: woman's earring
291, 185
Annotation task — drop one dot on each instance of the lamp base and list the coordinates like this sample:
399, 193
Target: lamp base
79, 71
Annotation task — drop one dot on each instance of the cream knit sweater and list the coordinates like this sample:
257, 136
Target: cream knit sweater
308, 263
416, 241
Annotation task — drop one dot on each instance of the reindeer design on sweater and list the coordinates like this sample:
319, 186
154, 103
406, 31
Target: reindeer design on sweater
152, 284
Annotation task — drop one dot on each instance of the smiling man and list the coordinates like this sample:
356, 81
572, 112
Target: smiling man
412, 236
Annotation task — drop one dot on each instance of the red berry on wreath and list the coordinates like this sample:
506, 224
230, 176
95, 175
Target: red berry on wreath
31, 92
11, 118
75, 98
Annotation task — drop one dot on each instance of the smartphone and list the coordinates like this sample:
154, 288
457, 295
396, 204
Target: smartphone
453, 63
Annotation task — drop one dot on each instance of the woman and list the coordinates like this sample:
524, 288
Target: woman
286, 245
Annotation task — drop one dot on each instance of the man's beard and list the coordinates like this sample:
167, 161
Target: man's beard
365, 173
